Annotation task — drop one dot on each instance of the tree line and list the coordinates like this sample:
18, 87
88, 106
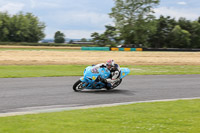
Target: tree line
20, 28
136, 26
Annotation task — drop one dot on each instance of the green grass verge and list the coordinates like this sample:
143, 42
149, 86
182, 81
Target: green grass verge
181, 116
164, 70
21, 71
14, 71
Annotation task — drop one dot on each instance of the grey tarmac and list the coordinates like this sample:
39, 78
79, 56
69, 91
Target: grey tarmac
46, 93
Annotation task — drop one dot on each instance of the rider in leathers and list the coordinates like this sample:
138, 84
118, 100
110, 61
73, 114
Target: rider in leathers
114, 73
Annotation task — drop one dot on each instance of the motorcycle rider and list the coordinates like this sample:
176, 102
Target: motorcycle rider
115, 73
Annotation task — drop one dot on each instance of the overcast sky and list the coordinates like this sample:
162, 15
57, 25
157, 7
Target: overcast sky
79, 18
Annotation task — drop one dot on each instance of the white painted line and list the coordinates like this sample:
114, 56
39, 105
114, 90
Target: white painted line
58, 108
45, 107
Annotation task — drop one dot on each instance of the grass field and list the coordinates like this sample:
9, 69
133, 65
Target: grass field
181, 116
78, 57
20, 71
160, 117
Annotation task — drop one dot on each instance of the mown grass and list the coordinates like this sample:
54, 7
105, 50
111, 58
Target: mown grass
181, 116
21, 71
15, 71
163, 70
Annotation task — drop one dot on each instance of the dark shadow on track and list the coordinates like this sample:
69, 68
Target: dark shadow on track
114, 91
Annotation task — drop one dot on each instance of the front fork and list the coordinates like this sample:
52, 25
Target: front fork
84, 82
82, 79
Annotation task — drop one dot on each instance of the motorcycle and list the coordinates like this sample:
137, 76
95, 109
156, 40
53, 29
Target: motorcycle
91, 77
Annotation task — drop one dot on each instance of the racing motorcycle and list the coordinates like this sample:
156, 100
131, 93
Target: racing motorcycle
91, 79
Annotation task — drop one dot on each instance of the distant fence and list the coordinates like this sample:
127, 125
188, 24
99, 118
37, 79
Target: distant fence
110, 49
139, 49
126, 49
96, 48
172, 49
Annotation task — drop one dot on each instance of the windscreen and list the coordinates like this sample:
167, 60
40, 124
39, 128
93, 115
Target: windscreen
94, 70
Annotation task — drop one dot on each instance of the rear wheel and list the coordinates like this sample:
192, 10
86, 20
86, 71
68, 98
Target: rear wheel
78, 86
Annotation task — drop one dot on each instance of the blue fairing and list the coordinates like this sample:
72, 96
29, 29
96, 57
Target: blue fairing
124, 72
91, 74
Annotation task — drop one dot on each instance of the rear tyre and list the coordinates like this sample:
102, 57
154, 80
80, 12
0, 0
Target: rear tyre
78, 86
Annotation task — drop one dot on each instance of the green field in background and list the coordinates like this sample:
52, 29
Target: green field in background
181, 116
14, 71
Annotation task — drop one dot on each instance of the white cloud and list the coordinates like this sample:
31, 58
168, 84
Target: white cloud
76, 34
73, 34
77, 20
44, 4
77, 24
32, 3
82, 18
182, 3
177, 13
12, 8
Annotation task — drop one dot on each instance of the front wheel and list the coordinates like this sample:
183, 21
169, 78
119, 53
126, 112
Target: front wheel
78, 86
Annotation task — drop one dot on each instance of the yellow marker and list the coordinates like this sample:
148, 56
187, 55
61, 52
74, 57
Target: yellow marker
93, 77
114, 49
127, 49
139, 49
123, 74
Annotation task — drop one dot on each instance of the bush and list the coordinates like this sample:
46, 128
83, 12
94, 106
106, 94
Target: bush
45, 44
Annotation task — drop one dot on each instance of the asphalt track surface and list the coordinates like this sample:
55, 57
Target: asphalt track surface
24, 94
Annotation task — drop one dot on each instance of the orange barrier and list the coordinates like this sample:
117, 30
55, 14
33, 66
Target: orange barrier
139, 49
127, 49
114, 49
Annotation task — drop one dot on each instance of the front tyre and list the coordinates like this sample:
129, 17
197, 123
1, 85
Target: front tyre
78, 86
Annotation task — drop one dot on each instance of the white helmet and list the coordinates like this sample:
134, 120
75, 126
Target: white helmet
110, 63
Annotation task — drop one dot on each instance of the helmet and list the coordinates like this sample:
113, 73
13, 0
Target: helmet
110, 63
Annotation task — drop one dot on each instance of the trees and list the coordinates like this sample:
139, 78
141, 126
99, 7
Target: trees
171, 33
136, 25
4, 26
109, 37
83, 40
36, 28
179, 38
129, 14
185, 24
195, 34
99, 39
163, 27
71, 41
21, 28
59, 37
143, 30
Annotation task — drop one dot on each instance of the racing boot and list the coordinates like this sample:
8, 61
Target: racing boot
108, 86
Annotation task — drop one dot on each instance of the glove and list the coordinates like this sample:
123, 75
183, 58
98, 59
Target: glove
117, 80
